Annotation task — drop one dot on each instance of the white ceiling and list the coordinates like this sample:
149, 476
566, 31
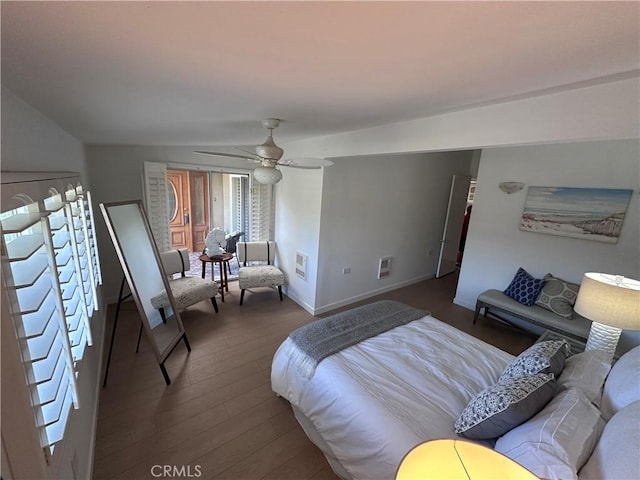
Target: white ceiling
205, 73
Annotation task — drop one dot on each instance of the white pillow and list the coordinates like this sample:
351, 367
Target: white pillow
616, 454
586, 371
622, 386
556, 442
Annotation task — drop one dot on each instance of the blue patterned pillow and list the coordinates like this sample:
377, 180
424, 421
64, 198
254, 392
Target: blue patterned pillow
524, 288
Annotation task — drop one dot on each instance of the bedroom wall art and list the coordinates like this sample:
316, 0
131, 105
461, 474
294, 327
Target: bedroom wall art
588, 213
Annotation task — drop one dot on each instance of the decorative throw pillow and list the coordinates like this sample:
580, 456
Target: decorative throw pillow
556, 442
542, 357
524, 288
558, 296
503, 406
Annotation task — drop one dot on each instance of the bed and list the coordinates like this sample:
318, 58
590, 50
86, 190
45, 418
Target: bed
366, 405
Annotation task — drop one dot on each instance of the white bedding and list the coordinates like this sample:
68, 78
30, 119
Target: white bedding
374, 401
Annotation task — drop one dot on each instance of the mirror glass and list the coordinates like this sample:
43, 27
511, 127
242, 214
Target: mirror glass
138, 254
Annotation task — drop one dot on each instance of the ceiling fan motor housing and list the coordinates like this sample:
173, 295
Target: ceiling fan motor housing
269, 150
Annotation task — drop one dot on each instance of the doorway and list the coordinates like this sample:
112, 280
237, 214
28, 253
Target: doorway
456, 223
201, 200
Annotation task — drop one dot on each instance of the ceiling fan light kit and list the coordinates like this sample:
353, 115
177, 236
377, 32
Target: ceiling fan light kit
267, 175
268, 155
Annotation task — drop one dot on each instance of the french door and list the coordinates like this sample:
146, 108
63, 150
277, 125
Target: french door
184, 205
188, 208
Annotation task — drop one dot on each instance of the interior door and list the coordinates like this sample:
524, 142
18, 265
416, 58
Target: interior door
179, 215
199, 220
453, 225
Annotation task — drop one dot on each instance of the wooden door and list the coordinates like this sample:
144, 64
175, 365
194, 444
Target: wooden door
179, 215
199, 192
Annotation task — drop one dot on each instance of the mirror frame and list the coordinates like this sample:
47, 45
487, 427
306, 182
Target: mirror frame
161, 353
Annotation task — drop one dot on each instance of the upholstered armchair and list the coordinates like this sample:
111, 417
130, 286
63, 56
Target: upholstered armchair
186, 290
261, 275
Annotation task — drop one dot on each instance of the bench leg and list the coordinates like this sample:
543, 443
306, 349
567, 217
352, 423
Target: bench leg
215, 304
241, 296
479, 306
280, 291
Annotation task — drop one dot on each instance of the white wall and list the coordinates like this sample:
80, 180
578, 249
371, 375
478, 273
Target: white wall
496, 247
32, 142
381, 206
297, 229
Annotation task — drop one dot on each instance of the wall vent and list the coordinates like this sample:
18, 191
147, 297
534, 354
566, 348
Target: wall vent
301, 265
384, 267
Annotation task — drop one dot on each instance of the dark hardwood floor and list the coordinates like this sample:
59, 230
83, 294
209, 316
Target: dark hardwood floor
219, 418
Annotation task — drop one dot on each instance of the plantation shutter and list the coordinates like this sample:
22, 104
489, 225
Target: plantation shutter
236, 203
262, 212
45, 266
156, 203
240, 204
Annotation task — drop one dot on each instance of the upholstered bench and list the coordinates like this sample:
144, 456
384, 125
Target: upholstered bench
494, 300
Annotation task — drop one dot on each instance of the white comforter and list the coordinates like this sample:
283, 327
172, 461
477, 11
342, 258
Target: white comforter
376, 400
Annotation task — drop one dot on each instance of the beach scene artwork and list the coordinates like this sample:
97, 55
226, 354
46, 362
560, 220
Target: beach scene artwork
586, 213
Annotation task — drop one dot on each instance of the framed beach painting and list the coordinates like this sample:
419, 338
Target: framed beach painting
587, 213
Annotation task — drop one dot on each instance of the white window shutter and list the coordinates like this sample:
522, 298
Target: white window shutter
156, 203
262, 212
240, 204
46, 250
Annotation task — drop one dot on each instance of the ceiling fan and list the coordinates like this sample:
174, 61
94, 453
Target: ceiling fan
269, 155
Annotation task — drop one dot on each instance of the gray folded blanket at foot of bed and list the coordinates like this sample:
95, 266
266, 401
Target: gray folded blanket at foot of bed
312, 343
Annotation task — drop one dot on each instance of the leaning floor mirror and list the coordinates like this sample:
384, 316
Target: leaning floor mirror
131, 235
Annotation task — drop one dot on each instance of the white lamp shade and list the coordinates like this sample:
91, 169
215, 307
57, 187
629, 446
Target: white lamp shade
267, 175
610, 299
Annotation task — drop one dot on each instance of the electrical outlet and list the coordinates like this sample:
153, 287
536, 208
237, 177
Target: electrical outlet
346, 270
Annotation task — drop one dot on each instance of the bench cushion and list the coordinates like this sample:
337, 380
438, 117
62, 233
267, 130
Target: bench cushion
577, 326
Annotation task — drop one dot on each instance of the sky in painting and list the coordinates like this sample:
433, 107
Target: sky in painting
585, 200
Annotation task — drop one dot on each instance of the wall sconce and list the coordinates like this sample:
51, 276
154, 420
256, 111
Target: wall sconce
511, 187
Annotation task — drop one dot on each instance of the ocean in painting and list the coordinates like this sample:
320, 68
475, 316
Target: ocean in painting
587, 213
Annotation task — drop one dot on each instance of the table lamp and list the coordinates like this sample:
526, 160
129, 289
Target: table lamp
453, 459
612, 303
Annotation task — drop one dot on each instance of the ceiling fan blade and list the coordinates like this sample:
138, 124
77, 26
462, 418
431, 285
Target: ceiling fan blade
219, 154
253, 155
307, 163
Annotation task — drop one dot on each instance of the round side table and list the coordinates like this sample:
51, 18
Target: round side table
223, 264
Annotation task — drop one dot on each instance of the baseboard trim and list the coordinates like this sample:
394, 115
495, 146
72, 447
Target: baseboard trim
372, 293
464, 303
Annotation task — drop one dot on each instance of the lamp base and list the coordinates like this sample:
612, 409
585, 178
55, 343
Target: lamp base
603, 337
